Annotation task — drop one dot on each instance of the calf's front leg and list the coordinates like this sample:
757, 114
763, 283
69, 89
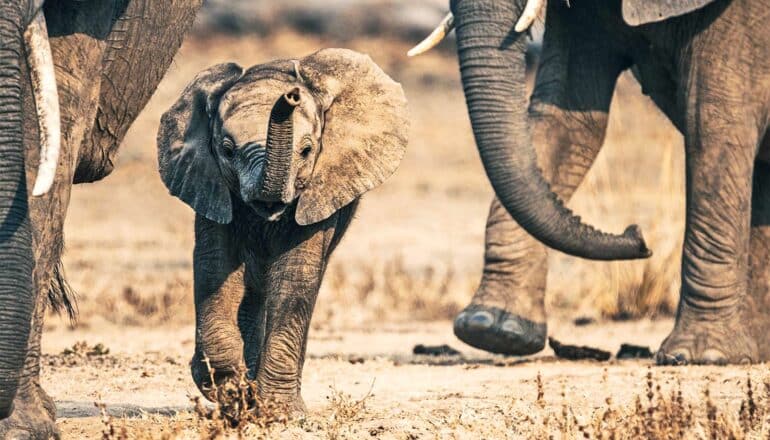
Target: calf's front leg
219, 289
291, 280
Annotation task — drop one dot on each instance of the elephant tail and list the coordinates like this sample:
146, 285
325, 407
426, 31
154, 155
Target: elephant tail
61, 296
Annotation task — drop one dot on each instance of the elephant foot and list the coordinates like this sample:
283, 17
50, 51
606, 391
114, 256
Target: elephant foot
233, 387
33, 417
222, 375
282, 408
498, 331
703, 339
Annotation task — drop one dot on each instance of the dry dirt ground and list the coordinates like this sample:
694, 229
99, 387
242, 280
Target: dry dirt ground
145, 384
410, 261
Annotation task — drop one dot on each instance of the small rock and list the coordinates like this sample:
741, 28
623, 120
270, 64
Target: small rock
575, 353
630, 351
435, 350
583, 321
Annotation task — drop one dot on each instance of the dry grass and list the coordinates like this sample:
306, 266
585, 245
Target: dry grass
663, 404
237, 414
392, 289
659, 412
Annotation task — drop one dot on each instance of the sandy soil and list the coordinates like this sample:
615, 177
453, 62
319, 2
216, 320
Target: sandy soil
144, 379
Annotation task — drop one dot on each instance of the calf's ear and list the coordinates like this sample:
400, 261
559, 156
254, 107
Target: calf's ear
185, 159
365, 130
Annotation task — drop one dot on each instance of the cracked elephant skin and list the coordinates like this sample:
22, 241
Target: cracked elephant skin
106, 71
706, 65
273, 159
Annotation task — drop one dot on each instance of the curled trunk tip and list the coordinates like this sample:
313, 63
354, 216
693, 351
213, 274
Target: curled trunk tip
493, 71
634, 233
280, 143
292, 97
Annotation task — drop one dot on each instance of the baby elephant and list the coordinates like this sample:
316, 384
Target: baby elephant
273, 160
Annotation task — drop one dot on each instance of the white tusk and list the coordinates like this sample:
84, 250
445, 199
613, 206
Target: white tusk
531, 11
435, 37
43, 77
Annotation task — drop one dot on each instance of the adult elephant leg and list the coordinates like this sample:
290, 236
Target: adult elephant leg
507, 313
568, 117
758, 305
35, 410
721, 145
16, 293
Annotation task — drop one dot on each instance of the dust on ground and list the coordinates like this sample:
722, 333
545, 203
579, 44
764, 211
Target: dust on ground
144, 382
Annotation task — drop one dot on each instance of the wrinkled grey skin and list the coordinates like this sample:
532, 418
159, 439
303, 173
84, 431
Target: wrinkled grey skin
274, 160
706, 64
106, 71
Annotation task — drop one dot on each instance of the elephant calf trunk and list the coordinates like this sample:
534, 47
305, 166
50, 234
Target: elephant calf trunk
280, 145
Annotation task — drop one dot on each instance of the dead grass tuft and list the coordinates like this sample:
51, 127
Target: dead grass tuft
345, 411
657, 413
237, 408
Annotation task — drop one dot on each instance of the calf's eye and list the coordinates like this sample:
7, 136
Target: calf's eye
306, 150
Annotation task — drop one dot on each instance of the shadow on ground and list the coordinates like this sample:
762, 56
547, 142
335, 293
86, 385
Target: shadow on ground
74, 409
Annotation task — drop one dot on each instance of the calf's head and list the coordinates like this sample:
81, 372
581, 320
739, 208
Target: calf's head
318, 132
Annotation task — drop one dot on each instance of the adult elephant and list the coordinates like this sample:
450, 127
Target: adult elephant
74, 74
706, 64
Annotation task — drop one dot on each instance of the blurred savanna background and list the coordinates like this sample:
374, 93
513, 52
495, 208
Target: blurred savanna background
411, 260
415, 250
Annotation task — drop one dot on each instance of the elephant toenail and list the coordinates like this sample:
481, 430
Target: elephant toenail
713, 356
680, 356
481, 321
512, 326
745, 361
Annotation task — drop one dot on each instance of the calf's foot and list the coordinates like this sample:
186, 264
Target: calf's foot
282, 407
708, 338
222, 373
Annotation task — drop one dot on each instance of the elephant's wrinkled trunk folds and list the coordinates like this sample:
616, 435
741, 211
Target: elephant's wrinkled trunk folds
280, 146
16, 261
493, 68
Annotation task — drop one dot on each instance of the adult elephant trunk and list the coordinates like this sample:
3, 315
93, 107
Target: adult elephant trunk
280, 146
16, 262
492, 65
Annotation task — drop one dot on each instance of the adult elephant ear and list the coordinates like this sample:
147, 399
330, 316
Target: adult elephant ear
365, 130
638, 12
185, 159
